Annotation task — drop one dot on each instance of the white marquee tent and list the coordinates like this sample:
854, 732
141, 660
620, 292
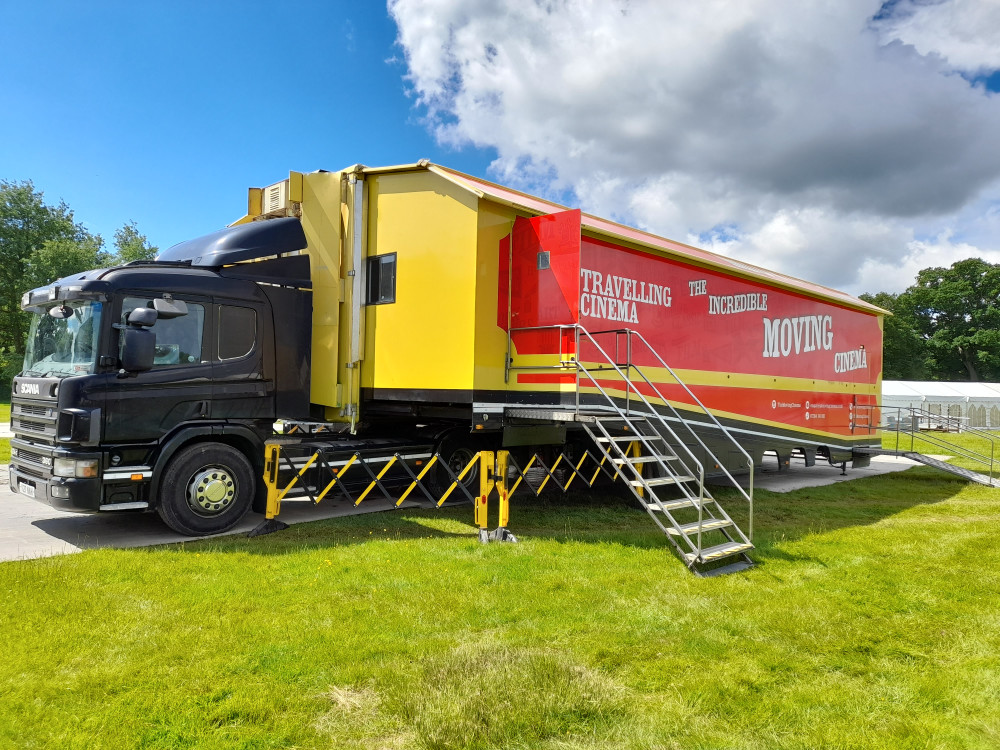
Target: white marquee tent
977, 404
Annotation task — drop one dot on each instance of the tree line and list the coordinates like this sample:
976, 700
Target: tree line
946, 326
42, 242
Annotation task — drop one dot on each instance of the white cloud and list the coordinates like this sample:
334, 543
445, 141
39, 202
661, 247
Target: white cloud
965, 33
897, 273
818, 136
834, 249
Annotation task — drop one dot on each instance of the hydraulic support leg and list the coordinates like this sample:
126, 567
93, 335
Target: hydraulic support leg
502, 533
486, 483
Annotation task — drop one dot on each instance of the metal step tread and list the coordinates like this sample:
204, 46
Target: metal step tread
677, 504
718, 552
707, 525
643, 459
628, 439
657, 481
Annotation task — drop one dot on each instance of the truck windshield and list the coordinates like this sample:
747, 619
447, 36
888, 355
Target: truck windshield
64, 343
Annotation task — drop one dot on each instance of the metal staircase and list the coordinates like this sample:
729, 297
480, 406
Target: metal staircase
655, 449
671, 490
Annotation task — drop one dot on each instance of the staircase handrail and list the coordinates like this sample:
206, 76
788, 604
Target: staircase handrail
631, 387
916, 433
650, 409
578, 366
705, 410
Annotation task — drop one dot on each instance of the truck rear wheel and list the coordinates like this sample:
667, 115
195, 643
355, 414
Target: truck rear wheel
206, 489
456, 451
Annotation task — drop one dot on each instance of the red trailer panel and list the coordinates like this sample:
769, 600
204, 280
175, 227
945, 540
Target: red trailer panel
768, 360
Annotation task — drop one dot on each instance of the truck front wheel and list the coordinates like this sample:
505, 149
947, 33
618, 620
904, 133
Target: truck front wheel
206, 489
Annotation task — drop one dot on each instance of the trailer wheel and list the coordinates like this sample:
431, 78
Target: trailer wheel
206, 489
456, 452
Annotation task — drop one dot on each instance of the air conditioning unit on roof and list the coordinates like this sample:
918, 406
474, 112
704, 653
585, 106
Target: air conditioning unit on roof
275, 199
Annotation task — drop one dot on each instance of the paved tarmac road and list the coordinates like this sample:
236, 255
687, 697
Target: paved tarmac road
30, 529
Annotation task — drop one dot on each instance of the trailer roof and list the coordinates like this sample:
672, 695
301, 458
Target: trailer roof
610, 229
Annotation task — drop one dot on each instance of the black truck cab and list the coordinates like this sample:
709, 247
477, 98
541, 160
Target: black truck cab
155, 384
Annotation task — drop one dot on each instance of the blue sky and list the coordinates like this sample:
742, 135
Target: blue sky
849, 143
165, 113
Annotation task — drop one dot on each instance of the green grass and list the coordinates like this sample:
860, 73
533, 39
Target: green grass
871, 621
5, 442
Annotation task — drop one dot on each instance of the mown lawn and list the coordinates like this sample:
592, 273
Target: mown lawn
871, 621
5, 422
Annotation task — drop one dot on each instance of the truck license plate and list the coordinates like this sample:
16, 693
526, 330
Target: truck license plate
28, 490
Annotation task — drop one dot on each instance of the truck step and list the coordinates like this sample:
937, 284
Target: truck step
692, 528
718, 552
657, 481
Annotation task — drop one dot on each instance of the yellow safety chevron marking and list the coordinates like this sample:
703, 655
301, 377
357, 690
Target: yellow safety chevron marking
415, 483
337, 476
549, 475
378, 478
572, 476
294, 481
524, 471
461, 476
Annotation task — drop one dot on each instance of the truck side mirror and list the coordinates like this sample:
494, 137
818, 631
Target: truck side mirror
142, 316
138, 349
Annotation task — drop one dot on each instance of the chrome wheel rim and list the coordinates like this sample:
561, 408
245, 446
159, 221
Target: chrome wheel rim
211, 491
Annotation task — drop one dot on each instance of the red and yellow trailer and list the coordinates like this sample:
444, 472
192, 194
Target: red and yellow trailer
441, 295
513, 326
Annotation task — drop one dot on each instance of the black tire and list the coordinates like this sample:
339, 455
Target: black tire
206, 489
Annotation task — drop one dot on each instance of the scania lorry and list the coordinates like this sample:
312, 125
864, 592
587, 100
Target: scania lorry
417, 309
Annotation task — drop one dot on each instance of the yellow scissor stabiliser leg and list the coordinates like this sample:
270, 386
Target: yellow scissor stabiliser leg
317, 472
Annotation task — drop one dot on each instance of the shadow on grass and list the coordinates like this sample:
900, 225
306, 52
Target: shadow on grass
606, 516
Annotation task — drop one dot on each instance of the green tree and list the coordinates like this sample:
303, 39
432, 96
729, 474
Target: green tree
904, 349
957, 312
57, 259
132, 245
27, 223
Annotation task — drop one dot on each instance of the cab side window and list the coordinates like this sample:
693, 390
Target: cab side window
178, 340
237, 331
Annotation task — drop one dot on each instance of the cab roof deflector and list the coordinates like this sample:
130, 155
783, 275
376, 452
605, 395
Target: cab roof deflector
243, 242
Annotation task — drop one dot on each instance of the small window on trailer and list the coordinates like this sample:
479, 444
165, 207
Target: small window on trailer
381, 279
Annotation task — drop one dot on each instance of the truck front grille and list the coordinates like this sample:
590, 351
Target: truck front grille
26, 457
29, 470
34, 420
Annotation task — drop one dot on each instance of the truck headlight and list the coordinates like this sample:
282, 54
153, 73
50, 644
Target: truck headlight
69, 467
